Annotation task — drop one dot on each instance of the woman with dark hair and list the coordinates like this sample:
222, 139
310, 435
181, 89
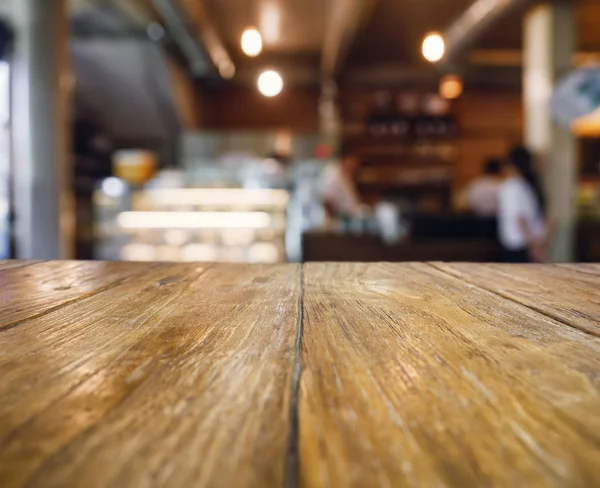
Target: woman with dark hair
521, 224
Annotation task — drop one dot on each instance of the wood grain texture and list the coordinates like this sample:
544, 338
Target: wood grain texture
590, 268
564, 293
13, 263
178, 377
32, 289
414, 378
119, 375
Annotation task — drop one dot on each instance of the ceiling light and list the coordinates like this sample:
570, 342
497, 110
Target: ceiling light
270, 83
251, 42
451, 87
433, 47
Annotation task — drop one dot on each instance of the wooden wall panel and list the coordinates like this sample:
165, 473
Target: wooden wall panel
488, 112
246, 109
490, 123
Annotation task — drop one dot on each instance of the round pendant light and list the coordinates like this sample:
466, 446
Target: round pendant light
251, 42
270, 83
433, 47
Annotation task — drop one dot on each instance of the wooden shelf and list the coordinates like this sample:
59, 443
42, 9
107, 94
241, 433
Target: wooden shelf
398, 141
391, 186
407, 163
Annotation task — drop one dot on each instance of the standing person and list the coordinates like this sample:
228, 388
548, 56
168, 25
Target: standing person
521, 224
275, 171
481, 196
338, 190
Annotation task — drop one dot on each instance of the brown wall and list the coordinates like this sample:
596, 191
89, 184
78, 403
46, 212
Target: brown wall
246, 109
490, 123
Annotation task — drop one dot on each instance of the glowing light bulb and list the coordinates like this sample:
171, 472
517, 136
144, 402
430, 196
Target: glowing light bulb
251, 42
451, 86
433, 47
270, 83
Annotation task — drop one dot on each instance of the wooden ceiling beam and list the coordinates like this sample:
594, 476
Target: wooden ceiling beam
345, 19
199, 19
477, 19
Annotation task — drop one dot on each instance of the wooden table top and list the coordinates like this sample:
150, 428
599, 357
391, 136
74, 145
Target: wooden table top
392, 375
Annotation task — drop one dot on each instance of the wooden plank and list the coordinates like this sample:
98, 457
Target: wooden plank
117, 324
34, 289
14, 263
565, 294
181, 377
591, 268
413, 378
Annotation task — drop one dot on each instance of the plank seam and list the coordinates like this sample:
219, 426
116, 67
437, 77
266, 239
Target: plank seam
108, 286
293, 456
516, 300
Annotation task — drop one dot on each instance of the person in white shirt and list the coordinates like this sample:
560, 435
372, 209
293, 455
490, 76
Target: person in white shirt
521, 224
337, 188
481, 197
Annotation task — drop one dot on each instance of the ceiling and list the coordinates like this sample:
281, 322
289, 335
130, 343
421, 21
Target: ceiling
387, 41
396, 30
504, 35
294, 32
292, 27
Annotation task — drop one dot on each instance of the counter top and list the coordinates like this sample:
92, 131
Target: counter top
181, 375
323, 246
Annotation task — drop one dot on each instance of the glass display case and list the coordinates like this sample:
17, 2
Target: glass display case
230, 200
190, 224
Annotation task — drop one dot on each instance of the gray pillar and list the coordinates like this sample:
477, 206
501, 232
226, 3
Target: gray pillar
41, 83
549, 47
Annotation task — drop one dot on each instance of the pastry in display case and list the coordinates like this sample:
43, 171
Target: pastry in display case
192, 224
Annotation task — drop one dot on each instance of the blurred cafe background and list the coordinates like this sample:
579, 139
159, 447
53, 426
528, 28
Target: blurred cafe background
266, 131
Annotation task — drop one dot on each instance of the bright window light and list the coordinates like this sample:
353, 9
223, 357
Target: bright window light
4, 92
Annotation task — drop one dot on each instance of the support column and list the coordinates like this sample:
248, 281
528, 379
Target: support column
548, 51
329, 115
41, 81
